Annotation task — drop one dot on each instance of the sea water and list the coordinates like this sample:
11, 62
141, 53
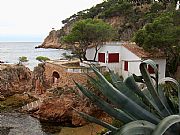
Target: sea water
11, 51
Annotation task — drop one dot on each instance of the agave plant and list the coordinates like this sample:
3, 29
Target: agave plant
145, 111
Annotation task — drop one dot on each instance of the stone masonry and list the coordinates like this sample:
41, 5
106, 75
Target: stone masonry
65, 78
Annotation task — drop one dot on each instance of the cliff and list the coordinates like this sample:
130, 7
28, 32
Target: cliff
51, 41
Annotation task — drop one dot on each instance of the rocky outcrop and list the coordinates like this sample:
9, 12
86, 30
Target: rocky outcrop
39, 82
60, 109
52, 40
14, 79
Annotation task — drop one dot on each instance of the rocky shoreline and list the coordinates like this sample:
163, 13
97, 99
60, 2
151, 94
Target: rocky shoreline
18, 87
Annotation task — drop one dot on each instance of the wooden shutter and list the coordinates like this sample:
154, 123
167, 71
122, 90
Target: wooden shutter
125, 65
113, 58
101, 57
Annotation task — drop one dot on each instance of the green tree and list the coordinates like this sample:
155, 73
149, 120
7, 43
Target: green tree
164, 34
23, 59
88, 32
42, 58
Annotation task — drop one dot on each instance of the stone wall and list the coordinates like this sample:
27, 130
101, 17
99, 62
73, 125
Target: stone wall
65, 78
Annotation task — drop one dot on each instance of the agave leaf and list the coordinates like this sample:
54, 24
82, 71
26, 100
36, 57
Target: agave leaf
164, 99
122, 101
122, 87
165, 124
139, 127
169, 79
149, 83
95, 82
98, 85
152, 102
144, 94
131, 84
97, 121
132, 117
115, 78
126, 86
118, 114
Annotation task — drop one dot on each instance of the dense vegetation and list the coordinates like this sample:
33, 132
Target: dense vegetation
113, 8
164, 34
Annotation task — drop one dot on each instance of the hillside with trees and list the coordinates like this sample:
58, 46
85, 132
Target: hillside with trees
151, 24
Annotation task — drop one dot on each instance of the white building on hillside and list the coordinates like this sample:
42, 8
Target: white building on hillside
124, 58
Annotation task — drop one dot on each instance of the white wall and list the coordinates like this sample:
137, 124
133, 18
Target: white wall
133, 62
90, 53
112, 47
162, 67
133, 68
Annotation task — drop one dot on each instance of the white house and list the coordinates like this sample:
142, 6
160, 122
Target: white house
124, 58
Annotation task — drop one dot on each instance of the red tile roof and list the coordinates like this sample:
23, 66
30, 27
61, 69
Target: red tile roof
140, 52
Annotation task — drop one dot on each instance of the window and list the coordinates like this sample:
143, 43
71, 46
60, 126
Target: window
113, 58
125, 65
151, 70
101, 57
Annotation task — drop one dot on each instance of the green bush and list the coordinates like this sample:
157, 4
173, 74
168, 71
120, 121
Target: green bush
23, 59
42, 58
156, 7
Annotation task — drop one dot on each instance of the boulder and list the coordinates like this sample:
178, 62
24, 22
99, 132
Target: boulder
60, 110
14, 79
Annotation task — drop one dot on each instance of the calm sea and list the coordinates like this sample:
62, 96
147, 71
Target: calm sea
11, 51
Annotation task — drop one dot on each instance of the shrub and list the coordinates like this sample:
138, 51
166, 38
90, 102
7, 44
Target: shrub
42, 58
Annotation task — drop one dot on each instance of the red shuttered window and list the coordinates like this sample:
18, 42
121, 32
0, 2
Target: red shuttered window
101, 57
125, 65
113, 58
151, 70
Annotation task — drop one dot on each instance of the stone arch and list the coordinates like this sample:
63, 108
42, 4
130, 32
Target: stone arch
55, 76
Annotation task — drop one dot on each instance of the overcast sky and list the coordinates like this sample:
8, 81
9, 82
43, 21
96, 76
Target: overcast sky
32, 20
